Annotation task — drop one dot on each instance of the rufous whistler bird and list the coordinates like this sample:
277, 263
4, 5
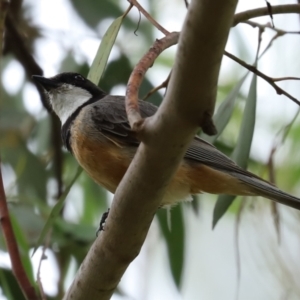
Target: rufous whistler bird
96, 131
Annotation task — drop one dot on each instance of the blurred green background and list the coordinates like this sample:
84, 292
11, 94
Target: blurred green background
252, 252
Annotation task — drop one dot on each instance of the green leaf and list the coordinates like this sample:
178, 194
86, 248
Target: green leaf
104, 50
9, 285
224, 112
175, 239
222, 205
242, 150
56, 210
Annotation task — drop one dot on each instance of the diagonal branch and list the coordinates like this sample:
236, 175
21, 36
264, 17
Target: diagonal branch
12, 247
148, 16
195, 73
268, 25
163, 85
268, 79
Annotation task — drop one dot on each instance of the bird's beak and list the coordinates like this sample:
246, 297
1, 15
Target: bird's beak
47, 83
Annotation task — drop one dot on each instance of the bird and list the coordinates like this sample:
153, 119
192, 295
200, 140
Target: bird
96, 131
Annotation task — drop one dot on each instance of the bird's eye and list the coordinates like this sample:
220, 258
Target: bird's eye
78, 77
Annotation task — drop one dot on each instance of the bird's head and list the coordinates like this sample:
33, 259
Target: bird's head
66, 92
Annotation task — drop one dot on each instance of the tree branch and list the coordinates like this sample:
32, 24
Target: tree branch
189, 103
264, 11
163, 85
12, 247
280, 32
137, 76
149, 18
268, 79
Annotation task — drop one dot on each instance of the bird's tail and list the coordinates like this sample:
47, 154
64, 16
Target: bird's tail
267, 190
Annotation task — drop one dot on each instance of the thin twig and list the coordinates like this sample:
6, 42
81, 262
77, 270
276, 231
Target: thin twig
260, 33
138, 24
279, 33
285, 78
237, 245
269, 26
270, 80
276, 36
164, 84
269, 6
147, 15
137, 76
12, 247
263, 11
43, 257
284, 131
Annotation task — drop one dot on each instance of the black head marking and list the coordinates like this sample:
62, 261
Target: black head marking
71, 78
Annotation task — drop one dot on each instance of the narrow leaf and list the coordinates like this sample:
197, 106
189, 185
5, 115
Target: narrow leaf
242, 150
9, 285
225, 110
222, 205
56, 210
174, 238
104, 50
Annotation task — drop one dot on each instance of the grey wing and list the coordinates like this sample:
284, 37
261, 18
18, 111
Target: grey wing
204, 152
110, 117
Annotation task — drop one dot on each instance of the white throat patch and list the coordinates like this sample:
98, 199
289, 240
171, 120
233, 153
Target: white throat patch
66, 99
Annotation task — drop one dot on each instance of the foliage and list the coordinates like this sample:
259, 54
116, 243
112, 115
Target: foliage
30, 161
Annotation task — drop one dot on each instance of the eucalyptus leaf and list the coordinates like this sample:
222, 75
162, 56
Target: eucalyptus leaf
56, 210
175, 239
224, 112
242, 150
101, 58
9, 285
